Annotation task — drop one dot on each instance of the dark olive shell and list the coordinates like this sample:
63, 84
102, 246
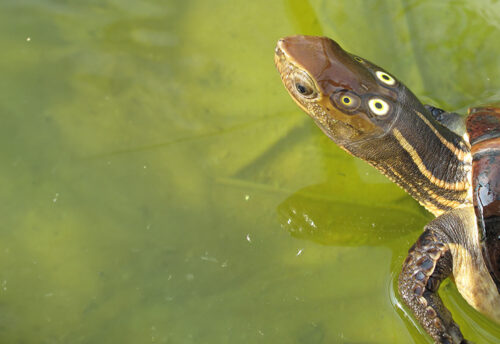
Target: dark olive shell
483, 128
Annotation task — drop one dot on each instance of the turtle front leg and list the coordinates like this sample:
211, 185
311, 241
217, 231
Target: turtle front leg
429, 262
450, 120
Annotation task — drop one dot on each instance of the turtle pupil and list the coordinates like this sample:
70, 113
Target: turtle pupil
385, 77
302, 89
378, 105
347, 100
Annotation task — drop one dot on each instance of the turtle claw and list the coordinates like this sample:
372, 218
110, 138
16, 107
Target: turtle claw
435, 112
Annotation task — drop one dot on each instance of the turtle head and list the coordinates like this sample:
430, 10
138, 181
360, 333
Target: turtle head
350, 99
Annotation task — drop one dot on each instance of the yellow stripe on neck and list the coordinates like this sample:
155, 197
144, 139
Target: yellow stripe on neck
459, 153
457, 186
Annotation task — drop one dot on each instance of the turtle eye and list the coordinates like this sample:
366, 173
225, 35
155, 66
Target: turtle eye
357, 58
304, 85
303, 89
385, 78
378, 106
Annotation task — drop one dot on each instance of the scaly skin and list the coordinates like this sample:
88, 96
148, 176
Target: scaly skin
428, 263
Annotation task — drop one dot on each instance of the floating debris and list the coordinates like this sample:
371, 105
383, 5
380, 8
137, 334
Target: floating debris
208, 258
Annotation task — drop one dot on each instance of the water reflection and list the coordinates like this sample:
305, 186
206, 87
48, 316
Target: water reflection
318, 213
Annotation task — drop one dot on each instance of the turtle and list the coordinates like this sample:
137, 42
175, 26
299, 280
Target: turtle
447, 162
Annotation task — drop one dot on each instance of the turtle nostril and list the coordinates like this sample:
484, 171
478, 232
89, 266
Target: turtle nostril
278, 51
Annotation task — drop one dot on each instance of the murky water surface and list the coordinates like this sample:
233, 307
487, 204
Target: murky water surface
159, 186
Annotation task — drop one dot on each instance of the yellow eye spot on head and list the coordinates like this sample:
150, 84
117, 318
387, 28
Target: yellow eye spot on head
378, 106
346, 100
385, 78
359, 59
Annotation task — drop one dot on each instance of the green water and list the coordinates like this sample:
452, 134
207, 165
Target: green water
159, 186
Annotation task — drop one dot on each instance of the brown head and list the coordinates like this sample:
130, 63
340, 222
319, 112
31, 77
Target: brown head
372, 115
350, 98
